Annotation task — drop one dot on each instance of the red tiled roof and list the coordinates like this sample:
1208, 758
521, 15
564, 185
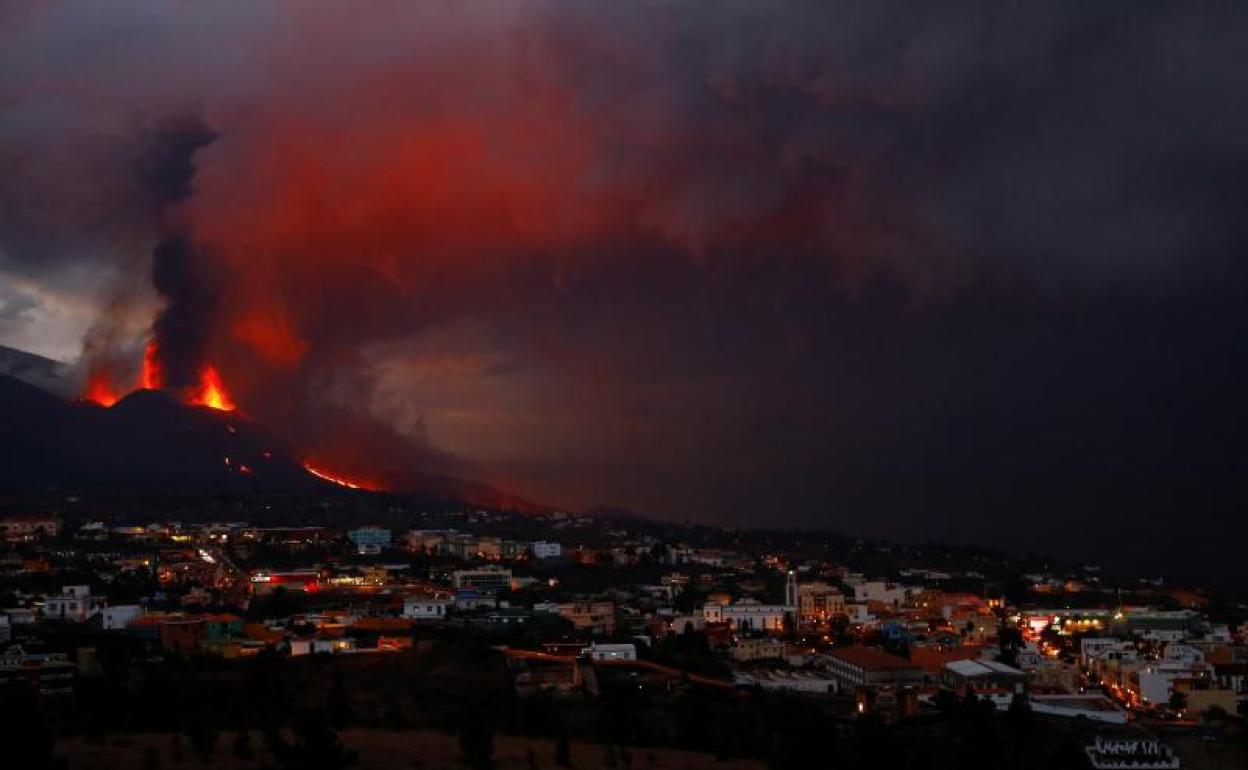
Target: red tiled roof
262, 632
383, 624
224, 617
871, 658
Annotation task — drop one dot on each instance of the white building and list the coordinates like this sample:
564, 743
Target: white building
884, 593
756, 648
859, 614
545, 549
1164, 635
426, 607
1156, 679
819, 601
747, 615
1092, 647
120, 616
1183, 653
75, 603
29, 527
430, 539
485, 579
804, 682
597, 651
319, 646
369, 540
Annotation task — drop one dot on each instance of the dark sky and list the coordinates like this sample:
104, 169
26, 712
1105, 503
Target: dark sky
972, 274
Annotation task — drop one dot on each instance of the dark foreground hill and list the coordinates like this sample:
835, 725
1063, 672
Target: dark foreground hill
150, 441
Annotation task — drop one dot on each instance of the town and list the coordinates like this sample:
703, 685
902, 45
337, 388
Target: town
612, 637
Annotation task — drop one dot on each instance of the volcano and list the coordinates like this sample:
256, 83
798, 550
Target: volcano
149, 439
157, 440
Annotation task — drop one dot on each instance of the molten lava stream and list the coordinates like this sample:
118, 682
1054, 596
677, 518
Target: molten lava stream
331, 478
151, 378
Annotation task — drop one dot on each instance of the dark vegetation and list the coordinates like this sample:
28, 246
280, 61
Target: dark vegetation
295, 708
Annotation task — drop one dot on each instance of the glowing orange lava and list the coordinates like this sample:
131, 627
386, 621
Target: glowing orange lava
100, 390
211, 392
340, 481
151, 378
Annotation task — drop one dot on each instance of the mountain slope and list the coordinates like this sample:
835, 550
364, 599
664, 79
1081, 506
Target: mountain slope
147, 440
45, 373
151, 441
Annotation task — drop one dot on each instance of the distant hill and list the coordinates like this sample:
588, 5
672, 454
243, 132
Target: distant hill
52, 376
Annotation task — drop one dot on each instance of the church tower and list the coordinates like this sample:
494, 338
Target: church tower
790, 590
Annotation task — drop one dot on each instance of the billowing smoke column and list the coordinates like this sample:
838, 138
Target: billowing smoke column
175, 356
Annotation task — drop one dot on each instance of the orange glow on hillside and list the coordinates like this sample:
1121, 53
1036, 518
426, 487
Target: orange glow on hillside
339, 480
211, 392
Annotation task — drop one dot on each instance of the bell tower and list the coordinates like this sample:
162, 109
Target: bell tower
790, 590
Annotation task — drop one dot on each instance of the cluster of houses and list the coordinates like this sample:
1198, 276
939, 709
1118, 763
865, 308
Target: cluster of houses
892, 645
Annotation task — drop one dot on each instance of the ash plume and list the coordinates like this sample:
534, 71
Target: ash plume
180, 272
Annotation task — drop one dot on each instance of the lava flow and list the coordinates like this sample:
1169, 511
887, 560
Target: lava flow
151, 378
211, 392
333, 479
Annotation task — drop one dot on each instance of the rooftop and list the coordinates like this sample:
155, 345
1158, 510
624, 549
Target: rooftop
871, 658
980, 667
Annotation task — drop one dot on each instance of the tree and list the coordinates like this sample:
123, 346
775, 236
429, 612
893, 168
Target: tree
24, 734
563, 751
338, 704
316, 747
242, 744
202, 735
945, 700
1016, 590
1018, 717
800, 740
1011, 641
1178, 700
1067, 752
393, 715
279, 603
476, 740
265, 686
687, 600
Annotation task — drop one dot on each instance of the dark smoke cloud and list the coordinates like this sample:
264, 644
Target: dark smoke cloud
889, 267
180, 272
